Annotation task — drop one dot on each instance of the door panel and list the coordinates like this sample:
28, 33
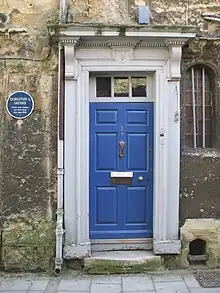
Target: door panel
136, 200
106, 117
137, 117
106, 196
121, 210
104, 162
137, 157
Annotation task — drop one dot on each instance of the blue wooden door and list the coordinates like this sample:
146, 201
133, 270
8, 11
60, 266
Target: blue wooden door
121, 210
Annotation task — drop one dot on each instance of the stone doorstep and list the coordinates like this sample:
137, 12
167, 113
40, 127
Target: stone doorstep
118, 262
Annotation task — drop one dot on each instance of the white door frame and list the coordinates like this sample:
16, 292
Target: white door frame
99, 56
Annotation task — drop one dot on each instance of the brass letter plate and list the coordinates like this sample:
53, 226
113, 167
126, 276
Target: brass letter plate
121, 181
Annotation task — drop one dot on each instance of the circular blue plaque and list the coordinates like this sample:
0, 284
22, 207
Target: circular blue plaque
20, 105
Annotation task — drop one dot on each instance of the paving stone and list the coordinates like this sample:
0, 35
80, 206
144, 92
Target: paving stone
25, 291
37, 291
167, 278
52, 286
106, 279
74, 285
143, 283
139, 292
72, 292
39, 285
13, 285
191, 281
205, 290
105, 288
171, 287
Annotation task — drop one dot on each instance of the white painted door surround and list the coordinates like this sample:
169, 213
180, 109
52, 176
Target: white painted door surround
89, 50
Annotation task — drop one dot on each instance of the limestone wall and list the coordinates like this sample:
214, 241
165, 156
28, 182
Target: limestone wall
123, 12
200, 184
28, 147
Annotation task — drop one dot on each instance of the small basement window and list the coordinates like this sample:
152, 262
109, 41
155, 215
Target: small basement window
197, 252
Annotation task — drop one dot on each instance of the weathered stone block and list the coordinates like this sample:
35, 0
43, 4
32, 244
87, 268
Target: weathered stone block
204, 229
28, 244
115, 264
199, 185
31, 258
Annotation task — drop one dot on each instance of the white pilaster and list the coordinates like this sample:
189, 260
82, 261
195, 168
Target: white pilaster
82, 164
75, 155
159, 199
168, 242
70, 214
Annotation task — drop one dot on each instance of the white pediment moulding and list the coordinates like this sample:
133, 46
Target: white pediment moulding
120, 43
101, 30
122, 54
91, 35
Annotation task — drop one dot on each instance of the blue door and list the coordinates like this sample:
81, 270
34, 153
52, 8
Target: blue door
121, 140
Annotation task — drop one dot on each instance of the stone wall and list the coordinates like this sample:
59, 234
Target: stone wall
123, 12
28, 147
200, 184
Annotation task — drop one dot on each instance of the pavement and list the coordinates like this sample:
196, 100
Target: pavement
147, 283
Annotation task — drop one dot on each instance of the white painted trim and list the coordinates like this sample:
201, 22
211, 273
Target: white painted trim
146, 32
167, 247
97, 66
122, 244
159, 34
69, 168
114, 241
166, 148
116, 33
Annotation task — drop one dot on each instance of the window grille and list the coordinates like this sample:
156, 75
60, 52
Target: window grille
198, 108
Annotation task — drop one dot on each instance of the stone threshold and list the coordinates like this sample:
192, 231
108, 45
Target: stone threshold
122, 262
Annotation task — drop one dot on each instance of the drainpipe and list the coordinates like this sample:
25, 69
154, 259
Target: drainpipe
60, 149
63, 11
60, 168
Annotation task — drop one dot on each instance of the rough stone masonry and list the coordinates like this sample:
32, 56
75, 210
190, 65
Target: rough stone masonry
28, 61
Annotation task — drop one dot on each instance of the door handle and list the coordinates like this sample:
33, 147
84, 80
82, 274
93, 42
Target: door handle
141, 178
121, 149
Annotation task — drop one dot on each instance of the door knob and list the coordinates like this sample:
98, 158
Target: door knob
141, 178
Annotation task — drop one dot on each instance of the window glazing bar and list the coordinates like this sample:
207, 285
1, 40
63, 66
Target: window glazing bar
112, 87
130, 87
203, 107
194, 108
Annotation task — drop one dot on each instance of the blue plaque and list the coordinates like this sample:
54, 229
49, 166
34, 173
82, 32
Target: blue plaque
20, 105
